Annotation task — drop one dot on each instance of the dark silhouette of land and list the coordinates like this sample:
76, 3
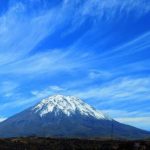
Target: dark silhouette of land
37, 143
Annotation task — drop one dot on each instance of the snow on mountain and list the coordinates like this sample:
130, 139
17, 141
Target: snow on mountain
66, 116
68, 105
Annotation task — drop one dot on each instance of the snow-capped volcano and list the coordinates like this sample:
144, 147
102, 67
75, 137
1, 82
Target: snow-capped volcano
65, 116
68, 105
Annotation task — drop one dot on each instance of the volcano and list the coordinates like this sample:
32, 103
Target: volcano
66, 116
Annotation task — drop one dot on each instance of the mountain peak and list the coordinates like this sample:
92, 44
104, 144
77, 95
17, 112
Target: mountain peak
65, 116
68, 105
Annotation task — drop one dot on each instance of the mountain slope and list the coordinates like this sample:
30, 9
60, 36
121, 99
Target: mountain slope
65, 116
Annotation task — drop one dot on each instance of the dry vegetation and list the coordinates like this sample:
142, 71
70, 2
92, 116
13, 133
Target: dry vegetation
34, 143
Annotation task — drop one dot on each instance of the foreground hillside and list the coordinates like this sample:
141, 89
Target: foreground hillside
35, 143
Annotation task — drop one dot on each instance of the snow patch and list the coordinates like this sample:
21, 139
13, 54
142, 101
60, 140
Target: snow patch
69, 105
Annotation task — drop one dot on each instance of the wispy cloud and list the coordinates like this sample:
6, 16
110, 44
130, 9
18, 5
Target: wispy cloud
120, 89
109, 9
137, 118
56, 88
93, 74
28, 31
139, 122
8, 88
134, 46
52, 89
2, 119
50, 62
65, 49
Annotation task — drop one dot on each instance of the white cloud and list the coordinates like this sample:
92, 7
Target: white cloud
134, 119
48, 62
122, 89
8, 88
139, 122
109, 8
56, 88
129, 48
2, 119
27, 31
139, 119
50, 90
18, 102
94, 74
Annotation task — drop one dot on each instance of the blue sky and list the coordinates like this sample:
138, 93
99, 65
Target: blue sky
98, 50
